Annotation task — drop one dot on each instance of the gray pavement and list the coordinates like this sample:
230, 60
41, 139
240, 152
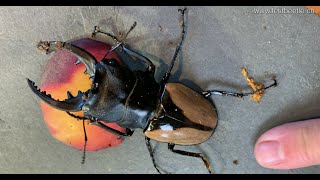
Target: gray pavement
219, 42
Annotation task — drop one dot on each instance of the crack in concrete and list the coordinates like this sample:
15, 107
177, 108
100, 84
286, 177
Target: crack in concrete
83, 20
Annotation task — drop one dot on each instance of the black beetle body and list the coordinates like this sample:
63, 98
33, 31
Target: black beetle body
167, 112
121, 96
129, 98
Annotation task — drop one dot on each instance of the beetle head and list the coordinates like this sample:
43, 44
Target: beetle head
109, 87
109, 91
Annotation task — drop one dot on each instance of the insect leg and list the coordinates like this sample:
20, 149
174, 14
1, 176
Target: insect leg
151, 153
168, 73
129, 51
121, 43
186, 153
93, 121
85, 134
150, 68
128, 132
239, 95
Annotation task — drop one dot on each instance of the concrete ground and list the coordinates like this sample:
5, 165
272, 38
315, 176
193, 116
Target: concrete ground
219, 42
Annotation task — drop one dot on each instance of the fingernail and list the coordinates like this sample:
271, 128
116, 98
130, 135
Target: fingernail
269, 153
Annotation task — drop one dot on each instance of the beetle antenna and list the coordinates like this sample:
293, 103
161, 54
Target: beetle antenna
131, 28
97, 30
112, 48
147, 140
118, 42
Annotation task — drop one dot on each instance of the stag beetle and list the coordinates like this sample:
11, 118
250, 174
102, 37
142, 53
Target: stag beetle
167, 112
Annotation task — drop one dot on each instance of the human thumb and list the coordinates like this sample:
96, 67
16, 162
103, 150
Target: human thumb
291, 145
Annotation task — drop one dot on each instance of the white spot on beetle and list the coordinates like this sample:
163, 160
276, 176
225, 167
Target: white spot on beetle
141, 113
166, 127
165, 135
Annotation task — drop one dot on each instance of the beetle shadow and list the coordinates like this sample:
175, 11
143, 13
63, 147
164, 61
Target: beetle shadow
296, 111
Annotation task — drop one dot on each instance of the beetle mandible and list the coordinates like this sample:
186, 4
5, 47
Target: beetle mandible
168, 112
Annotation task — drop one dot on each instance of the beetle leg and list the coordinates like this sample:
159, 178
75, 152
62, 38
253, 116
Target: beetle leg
94, 121
85, 134
151, 154
222, 93
168, 73
83, 56
239, 95
77, 117
150, 68
129, 51
128, 132
186, 153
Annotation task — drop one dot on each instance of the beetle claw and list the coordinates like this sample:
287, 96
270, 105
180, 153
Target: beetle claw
83, 56
69, 95
70, 104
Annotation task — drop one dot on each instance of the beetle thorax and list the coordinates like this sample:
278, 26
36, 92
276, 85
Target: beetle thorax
120, 95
